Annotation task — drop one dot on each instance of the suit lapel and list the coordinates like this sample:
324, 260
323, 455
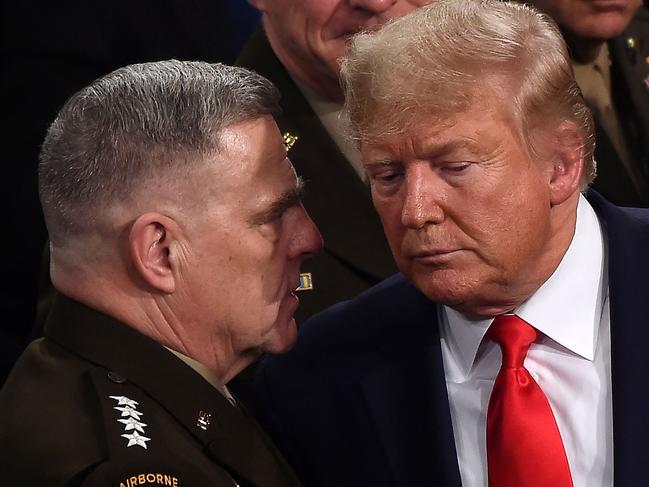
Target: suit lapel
628, 262
408, 403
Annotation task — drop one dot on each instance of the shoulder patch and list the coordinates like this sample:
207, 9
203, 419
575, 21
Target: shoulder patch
151, 478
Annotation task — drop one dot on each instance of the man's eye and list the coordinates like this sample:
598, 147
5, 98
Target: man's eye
456, 167
386, 177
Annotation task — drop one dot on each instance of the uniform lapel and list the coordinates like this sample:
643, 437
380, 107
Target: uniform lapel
630, 77
337, 200
628, 262
245, 450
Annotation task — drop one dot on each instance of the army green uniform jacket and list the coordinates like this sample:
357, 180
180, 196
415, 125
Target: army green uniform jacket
95, 403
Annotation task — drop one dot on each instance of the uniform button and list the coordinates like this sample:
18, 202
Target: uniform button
116, 378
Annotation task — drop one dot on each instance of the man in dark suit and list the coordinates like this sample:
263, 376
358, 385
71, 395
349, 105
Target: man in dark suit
299, 51
609, 48
508, 352
176, 236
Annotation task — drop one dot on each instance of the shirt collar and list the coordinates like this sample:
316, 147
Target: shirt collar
206, 373
567, 307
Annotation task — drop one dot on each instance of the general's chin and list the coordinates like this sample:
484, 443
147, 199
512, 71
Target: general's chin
283, 339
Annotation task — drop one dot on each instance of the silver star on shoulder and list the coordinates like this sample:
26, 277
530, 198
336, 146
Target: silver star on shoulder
132, 424
121, 400
136, 439
129, 411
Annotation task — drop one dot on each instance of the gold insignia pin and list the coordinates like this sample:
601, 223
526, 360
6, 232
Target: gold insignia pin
289, 140
632, 49
204, 420
305, 283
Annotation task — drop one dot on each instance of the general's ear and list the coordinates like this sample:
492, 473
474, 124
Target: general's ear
567, 151
150, 242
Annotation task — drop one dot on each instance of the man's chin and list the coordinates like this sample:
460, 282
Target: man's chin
283, 340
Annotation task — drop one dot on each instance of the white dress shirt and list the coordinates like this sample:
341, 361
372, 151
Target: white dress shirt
571, 363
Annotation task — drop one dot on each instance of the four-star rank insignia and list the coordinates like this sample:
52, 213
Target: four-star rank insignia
130, 418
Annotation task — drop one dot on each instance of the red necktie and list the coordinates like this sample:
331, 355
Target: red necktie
524, 447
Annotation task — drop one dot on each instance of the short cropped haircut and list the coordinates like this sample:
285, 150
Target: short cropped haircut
139, 124
434, 61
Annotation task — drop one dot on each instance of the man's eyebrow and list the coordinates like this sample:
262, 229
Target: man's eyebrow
289, 199
380, 162
428, 150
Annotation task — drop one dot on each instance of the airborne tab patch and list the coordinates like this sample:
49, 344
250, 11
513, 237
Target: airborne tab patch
150, 478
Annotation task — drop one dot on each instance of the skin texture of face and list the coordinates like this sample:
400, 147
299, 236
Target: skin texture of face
310, 36
591, 21
468, 214
244, 250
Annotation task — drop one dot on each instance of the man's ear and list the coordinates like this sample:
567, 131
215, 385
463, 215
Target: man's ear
150, 243
567, 150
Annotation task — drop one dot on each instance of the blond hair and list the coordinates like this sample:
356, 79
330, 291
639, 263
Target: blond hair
433, 62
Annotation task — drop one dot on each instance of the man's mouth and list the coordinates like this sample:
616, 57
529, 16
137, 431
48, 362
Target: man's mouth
433, 256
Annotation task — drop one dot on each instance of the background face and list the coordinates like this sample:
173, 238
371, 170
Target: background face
465, 209
247, 245
590, 19
310, 36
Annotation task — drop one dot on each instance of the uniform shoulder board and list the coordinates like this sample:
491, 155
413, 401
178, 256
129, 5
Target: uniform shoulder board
142, 450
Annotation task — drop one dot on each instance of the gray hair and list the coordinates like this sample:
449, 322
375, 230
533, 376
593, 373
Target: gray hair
135, 124
433, 61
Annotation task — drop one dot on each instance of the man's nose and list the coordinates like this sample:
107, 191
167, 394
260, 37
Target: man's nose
421, 198
307, 240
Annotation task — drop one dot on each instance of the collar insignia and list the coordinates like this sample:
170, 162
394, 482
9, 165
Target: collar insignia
289, 140
204, 420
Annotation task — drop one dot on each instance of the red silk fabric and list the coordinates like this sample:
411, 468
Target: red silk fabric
524, 447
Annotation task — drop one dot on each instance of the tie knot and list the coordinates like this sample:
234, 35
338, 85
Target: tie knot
514, 337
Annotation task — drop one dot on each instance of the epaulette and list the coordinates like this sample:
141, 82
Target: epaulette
135, 454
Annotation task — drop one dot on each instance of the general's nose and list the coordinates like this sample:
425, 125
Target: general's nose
420, 201
307, 240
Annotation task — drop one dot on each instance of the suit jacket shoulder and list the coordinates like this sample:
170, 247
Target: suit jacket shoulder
358, 402
96, 403
362, 397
